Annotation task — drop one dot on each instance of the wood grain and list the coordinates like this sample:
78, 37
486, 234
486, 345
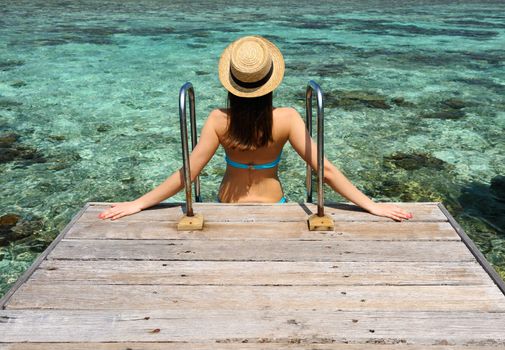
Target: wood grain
246, 273
279, 298
261, 250
253, 326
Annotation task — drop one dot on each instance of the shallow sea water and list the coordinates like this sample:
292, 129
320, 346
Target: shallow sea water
415, 104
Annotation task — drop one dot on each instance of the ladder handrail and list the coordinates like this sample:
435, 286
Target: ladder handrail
188, 88
311, 87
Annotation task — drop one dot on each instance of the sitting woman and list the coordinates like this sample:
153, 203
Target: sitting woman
253, 134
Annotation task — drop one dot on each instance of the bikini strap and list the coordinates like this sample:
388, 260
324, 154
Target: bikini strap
235, 164
255, 166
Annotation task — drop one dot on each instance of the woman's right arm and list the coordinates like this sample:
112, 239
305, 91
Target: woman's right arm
203, 152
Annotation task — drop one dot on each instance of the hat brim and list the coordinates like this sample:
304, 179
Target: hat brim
274, 81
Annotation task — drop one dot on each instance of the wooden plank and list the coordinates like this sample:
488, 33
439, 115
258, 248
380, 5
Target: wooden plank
252, 213
285, 298
245, 346
26, 275
253, 326
260, 250
296, 230
246, 273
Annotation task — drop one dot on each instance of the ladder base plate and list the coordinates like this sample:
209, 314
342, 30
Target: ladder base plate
321, 223
190, 223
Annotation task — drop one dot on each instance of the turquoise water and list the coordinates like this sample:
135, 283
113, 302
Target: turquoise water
415, 104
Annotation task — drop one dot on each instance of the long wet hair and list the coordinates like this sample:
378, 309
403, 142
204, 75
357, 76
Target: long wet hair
249, 122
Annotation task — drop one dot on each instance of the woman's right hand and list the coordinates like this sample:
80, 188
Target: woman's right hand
118, 210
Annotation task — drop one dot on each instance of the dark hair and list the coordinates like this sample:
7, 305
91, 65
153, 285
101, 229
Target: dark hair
249, 122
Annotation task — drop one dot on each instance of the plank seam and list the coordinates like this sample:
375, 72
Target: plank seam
50, 309
385, 284
74, 239
251, 260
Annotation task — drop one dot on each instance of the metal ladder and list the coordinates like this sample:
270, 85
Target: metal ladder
319, 221
190, 221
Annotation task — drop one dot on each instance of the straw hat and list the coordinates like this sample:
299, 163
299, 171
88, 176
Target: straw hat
251, 66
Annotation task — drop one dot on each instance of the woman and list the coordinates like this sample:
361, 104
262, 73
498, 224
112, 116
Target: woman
253, 134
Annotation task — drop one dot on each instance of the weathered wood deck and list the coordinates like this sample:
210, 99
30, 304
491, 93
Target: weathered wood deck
256, 278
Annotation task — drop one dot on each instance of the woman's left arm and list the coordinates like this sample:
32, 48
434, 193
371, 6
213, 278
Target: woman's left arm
307, 149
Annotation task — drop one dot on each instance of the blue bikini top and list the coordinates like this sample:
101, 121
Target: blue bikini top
253, 166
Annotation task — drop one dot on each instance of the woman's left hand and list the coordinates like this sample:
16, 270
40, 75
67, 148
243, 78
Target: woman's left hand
390, 211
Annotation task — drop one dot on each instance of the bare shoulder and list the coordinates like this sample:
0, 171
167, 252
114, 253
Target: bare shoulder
218, 118
286, 111
284, 119
286, 115
217, 114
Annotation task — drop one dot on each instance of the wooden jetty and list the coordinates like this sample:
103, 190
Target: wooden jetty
257, 278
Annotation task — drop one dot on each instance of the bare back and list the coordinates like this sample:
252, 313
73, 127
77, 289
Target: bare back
254, 185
